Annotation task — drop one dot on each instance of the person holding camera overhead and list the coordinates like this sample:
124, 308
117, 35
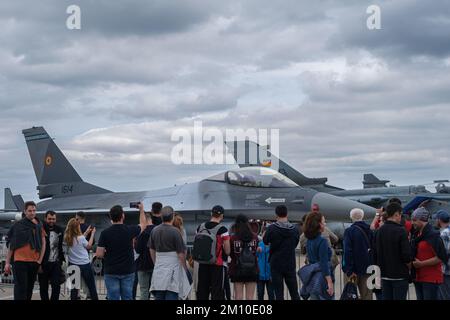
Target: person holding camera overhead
78, 255
115, 245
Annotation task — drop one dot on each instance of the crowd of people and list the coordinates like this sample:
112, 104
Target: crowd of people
406, 250
258, 260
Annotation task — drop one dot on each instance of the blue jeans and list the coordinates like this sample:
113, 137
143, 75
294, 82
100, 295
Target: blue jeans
165, 295
394, 289
378, 294
427, 291
444, 289
119, 287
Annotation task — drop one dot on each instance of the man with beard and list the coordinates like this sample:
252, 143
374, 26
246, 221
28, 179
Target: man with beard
429, 252
50, 270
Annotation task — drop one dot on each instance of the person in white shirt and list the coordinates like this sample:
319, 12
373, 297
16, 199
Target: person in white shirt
78, 255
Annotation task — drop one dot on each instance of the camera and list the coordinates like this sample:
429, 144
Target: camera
135, 204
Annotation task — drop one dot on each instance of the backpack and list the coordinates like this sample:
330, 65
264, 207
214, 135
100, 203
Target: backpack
246, 262
205, 241
350, 292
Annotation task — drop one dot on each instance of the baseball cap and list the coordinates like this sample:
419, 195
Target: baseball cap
443, 216
218, 210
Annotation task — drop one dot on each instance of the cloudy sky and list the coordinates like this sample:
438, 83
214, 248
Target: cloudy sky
347, 100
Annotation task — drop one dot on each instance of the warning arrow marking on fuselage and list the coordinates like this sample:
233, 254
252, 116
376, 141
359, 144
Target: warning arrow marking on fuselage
275, 200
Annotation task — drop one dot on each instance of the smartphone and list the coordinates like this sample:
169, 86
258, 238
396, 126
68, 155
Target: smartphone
135, 204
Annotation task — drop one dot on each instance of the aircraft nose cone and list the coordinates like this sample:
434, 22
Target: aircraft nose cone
338, 208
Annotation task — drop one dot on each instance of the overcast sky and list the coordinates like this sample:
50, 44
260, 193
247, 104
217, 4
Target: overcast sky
347, 100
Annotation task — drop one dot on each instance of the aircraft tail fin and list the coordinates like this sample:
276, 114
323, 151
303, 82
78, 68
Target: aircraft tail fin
242, 152
54, 173
13, 202
371, 181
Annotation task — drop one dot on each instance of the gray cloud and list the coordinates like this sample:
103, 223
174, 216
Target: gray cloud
409, 28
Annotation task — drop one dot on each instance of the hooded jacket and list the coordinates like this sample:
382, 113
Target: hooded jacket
263, 262
283, 238
433, 237
358, 240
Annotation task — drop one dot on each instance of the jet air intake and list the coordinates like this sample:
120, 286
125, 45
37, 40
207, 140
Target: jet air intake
337, 208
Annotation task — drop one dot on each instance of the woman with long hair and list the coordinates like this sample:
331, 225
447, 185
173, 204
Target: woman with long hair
318, 250
244, 266
178, 223
78, 255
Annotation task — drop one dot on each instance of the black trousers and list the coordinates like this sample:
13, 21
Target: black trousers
290, 278
87, 274
261, 286
135, 284
211, 280
51, 273
226, 285
24, 278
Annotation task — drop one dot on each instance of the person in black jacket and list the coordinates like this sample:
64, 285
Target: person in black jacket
50, 270
283, 238
144, 262
392, 253
80, 216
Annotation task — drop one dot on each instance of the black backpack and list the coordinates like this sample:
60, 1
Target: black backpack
204, 250
350, 292
246, 265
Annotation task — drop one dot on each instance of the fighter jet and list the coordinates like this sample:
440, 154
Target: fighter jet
376, 193
251, 191
11, 212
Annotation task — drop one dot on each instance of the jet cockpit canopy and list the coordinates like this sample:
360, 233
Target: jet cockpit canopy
256, 177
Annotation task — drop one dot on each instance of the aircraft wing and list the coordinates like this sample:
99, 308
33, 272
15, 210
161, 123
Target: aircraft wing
430, 203
369, 200
90, 211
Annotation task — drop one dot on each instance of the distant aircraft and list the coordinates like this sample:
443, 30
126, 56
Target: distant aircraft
375, 193
11, 212
252, 191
